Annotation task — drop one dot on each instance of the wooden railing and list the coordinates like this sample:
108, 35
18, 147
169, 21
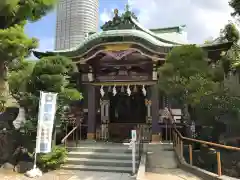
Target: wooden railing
64, 140
180, 141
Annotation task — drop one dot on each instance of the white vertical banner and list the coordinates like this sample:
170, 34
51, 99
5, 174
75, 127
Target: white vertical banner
46, 115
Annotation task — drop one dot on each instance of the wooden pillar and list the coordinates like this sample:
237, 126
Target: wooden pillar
91, 112
104, 104
155, 113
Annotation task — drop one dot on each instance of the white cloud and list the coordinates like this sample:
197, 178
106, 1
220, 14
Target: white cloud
204, 18
46, 44
106, 15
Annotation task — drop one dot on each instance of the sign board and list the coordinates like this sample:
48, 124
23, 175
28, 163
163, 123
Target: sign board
134, 135
46, 114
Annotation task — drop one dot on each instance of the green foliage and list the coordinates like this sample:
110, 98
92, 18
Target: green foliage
19, 76
15, 44
14, 12
220, 105
230, 33
235, 5
186, 75
50, 74
52, 160
230, 60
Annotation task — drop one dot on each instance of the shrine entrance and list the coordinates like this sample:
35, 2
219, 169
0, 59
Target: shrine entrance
122, 109
126, 112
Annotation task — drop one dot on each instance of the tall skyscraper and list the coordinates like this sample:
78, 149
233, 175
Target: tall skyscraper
75, 19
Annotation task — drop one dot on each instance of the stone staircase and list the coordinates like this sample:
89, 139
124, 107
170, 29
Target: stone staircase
96, 156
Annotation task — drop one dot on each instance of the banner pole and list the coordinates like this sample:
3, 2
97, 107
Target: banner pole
133, 157
39, 117
35, 160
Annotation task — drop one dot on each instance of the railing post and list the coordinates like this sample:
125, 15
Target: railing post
219, 166
190, 154
65, 143
174, 140
181, 148
170, 134
177, 145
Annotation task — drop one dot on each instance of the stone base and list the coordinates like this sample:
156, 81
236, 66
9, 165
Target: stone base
91, 136
156, 138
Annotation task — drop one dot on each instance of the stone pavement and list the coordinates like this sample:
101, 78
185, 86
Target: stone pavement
68, 175
161, 164
84, 175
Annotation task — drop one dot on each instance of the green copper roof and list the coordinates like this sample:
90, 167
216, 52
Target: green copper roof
126, 28
166, 30
114, 36
170, 36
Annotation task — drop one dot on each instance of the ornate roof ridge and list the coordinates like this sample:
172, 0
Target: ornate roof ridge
166, 29
138, 25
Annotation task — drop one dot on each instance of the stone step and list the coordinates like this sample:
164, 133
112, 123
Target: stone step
97, 168
93, 143
100, 162
100, 155
110, 149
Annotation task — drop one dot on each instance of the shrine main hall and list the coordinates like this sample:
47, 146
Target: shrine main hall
117, 74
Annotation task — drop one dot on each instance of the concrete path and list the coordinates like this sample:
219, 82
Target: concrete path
68, 175
85, 175
161, 164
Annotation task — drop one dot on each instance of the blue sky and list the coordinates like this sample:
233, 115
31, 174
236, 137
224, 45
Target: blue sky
44, 29
203, 19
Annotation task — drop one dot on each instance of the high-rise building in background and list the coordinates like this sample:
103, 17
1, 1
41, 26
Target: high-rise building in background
75, 19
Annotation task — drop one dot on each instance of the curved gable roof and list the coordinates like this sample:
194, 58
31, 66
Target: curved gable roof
112, 36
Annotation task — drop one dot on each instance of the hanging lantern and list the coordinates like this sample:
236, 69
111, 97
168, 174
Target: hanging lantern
144, 90
114, 91
129, 91
102, 91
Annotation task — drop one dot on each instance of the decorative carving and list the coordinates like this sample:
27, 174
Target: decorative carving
148, 102
117, 47
123, 74
90, 75
137, 77
154, 73
104, 118
120, 22
120, 54
149, 120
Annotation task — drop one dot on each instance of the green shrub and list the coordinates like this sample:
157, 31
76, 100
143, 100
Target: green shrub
52, 160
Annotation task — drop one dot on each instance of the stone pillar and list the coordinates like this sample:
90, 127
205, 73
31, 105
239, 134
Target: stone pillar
156, 134
91, 112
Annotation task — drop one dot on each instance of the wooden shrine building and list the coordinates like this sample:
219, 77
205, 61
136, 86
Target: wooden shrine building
118, 74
